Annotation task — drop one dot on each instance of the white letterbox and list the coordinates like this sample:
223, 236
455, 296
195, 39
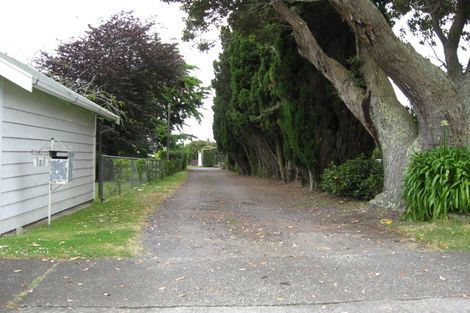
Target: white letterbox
61, 166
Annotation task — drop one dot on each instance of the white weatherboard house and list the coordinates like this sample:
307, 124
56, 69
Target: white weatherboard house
34, 109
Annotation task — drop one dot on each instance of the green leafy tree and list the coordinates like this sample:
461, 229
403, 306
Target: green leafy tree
273, 111
194, 147
124, 60
434, 93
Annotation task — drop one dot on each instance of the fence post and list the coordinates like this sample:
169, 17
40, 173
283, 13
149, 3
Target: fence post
101, 178
131, 176
159, 169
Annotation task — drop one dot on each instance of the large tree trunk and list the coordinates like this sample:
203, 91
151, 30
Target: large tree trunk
375, 106
463, 90
396, 132
434, 96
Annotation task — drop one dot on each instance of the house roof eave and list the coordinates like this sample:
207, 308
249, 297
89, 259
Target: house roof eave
28, 78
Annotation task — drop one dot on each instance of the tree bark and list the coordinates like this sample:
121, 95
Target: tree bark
397, 133
375, 106
450, 42
280, 161
433, 95
463, 90
311, 181
331, 69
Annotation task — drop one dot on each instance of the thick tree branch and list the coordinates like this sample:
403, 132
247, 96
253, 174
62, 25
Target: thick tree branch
461, 16
436, 25
428, 87
451, 45
336, 73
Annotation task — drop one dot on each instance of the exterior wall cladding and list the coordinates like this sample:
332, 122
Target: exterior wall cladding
28, 121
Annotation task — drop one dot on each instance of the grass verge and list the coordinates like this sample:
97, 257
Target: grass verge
452, 234
110, 229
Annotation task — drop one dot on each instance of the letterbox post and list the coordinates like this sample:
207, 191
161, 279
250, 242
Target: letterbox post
49, 209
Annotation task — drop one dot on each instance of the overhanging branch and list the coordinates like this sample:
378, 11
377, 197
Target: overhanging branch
339, 76
436, 25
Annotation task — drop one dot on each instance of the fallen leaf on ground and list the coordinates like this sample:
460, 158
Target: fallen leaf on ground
386, 221
17, 271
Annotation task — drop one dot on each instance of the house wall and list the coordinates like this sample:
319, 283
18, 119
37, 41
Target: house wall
1, 134
29, 121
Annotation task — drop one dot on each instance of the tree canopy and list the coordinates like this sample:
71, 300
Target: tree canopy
123, 65
439, 98
273, 112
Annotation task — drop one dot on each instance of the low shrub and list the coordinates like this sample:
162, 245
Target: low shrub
438, 183
170, 167
359, 178
178, 160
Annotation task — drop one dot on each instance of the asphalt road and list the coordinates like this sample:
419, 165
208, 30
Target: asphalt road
228, 243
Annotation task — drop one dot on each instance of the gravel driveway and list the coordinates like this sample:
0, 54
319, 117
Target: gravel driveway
229, 243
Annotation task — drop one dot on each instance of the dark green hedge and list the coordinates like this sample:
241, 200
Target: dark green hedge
210, 157
359, 178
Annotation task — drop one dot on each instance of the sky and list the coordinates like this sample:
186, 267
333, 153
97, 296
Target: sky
28, 26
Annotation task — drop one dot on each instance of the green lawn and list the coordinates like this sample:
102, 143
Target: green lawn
452, 234
110, 229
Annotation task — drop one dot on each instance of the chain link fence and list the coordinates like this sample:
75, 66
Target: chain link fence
117, 175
